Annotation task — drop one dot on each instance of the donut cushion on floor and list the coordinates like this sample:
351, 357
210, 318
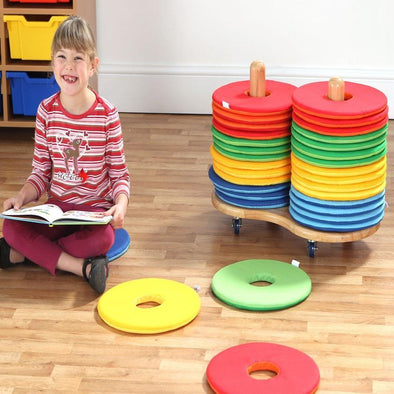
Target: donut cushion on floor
229, 372
177, 305
289, 285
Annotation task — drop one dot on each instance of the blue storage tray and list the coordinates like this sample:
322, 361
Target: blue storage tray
28, 90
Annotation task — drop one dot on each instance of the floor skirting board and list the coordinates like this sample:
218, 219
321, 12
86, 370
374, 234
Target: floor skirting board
188, 89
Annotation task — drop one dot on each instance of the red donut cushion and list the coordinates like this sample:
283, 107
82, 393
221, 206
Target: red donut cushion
229, 371
235, 96
371, 120
252, 135
359, 130
219, 111
252, 127
360, 100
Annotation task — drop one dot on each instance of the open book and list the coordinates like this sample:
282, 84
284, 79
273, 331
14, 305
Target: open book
53, 216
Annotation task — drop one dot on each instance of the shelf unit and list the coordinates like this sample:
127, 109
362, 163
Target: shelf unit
33, 11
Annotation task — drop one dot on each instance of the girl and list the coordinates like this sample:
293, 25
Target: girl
78, 161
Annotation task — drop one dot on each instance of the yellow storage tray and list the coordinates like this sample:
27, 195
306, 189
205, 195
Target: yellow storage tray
31, 40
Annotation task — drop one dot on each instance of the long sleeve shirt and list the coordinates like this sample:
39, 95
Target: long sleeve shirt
79, 158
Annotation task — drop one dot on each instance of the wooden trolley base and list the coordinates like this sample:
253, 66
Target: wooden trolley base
281, 217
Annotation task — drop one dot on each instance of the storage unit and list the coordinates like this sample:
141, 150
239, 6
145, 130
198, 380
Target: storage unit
28, 52
31, 40
40, 1
28, 90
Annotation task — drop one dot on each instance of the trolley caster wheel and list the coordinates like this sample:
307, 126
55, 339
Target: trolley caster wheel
237, 224
312, 248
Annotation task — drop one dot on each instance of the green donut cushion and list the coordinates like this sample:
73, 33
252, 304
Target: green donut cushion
332, 146
310, 157
334, 139
225, 151
252, 150
289, 286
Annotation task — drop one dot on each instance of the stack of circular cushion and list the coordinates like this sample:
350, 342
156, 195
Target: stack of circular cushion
338, 157
251, 145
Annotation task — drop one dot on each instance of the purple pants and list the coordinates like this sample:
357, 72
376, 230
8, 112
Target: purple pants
43, 244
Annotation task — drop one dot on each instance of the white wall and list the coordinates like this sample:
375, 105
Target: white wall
170, 55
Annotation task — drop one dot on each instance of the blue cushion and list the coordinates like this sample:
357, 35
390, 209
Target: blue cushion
120, 246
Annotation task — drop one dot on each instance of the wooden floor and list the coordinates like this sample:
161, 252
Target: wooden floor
52, 339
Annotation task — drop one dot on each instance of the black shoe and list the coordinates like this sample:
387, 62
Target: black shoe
98, 274
5, 255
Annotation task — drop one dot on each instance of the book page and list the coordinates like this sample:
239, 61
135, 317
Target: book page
86, 216
48, 212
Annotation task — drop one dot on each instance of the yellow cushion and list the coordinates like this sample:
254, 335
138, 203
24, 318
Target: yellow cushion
251, 181
343, 172
178, 305
340, 178
251, 173
335, 195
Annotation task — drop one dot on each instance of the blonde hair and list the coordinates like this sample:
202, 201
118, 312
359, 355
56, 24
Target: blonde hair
75, 33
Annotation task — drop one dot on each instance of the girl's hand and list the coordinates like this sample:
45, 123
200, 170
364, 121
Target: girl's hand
118, 212
15, 202
24, 196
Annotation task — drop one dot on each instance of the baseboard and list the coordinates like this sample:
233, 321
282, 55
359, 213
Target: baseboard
188, 89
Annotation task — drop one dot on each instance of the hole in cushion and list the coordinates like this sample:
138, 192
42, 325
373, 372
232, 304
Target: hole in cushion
149, 302
267, 93
261, 283
261, 280
263, 370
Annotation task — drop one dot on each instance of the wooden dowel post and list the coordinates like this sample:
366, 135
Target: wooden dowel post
257, 79
336, 89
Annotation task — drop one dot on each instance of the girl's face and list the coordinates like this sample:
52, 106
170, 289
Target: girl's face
72, 71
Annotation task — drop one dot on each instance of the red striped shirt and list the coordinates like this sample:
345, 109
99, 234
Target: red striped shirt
79, 158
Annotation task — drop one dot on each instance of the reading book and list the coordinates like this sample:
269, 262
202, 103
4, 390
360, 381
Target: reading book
52, 215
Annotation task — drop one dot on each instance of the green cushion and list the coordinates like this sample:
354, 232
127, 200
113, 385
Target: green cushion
249, 157
341, 139
253, 150
345, 146
309, 156
289, 285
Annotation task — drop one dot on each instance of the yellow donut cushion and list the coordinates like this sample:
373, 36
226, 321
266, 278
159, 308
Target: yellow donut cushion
340, 172
177, 305
269, 180
333, 194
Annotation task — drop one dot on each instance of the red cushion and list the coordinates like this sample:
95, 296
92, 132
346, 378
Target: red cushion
360, 100
371, 120
235, 96
359, 130
252, 127
250, 117
252, 135
229, 371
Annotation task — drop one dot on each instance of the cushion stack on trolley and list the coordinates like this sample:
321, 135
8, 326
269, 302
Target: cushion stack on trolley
251, 145
338, 157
